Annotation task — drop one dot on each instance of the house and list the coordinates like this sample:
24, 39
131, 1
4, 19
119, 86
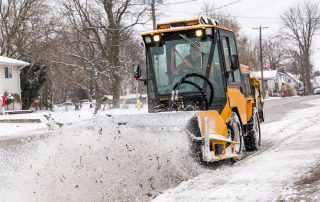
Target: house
270, 81
293, 81
10, 81
316, 82
273, 81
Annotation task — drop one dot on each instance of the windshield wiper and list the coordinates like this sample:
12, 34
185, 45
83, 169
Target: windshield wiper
191, 43
194, 46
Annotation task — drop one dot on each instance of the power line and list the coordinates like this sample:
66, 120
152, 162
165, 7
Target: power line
226, 5
223, 6
173, 3
181, 2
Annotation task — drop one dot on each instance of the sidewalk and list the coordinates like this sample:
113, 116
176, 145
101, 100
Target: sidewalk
21, 125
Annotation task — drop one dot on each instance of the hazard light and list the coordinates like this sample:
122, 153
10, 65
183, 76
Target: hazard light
163, 26
192, 23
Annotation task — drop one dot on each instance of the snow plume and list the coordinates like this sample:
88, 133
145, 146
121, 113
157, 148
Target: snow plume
105, 159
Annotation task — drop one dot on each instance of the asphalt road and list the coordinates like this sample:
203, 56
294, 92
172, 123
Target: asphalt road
275, 109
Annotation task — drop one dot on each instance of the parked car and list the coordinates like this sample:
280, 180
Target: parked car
84, 101
301, 92
317, 90
65, 104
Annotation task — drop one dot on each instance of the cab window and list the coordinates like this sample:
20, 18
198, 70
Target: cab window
229, 49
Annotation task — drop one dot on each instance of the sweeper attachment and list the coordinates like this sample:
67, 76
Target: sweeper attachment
193, 66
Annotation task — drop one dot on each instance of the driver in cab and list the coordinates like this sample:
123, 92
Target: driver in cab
193, 60
191, 63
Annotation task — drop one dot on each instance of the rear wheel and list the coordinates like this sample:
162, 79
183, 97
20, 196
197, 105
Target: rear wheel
252, 140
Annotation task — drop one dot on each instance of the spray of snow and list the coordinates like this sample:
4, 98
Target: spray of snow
108, 158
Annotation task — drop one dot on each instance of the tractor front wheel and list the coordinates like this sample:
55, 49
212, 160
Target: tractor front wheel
252, 140
235, 131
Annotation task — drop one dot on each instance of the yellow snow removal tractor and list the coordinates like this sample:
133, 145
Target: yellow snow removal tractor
193, 65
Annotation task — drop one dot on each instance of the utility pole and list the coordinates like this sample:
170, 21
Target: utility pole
152, 4
261, 58
153, 14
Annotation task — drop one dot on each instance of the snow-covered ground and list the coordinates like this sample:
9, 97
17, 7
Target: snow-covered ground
19, 129
61, 115
129, 155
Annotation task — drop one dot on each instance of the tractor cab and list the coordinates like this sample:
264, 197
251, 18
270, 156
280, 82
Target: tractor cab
188, 63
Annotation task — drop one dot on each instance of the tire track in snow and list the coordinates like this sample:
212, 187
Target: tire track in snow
273, 144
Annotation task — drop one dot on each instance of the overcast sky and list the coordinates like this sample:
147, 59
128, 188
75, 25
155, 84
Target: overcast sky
249, 13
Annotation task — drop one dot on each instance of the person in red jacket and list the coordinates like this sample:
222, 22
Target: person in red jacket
4, 98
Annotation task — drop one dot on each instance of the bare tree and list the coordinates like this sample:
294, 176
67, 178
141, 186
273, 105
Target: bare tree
275, 52
102, 25
248, 52
301, 22
246, 49
225, 20
26, 27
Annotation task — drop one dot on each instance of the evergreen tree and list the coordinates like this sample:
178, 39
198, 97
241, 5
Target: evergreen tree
32, 78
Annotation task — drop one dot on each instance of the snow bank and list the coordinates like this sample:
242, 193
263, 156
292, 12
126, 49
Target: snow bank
18, 130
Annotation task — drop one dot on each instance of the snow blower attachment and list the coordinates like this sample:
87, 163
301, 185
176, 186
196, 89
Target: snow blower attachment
193, 66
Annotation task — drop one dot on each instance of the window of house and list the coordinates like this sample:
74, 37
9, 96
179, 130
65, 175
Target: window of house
8, 72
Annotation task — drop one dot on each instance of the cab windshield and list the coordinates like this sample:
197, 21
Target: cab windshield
179, 54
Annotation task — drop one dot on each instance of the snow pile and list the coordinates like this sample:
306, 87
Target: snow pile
107, 158
17, 130
61, 115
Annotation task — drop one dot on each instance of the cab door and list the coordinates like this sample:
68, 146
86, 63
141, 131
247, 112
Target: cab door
237, 99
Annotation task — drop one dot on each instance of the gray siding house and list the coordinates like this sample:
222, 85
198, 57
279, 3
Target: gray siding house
10, 79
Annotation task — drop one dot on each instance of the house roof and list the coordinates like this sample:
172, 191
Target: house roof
11, 61
317, 79
267, 74
294, 77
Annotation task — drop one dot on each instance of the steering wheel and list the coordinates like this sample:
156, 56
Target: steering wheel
181, 71
183, 80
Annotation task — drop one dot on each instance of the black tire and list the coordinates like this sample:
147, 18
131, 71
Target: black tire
235, 131
252, 141
195, 145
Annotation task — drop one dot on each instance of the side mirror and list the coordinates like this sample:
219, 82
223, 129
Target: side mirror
235, 62
136, 71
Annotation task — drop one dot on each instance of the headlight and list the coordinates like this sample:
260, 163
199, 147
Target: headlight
199, 33
148, 39
156, 38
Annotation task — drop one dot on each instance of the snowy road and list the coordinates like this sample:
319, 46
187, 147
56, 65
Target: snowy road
290, 154
117, 158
